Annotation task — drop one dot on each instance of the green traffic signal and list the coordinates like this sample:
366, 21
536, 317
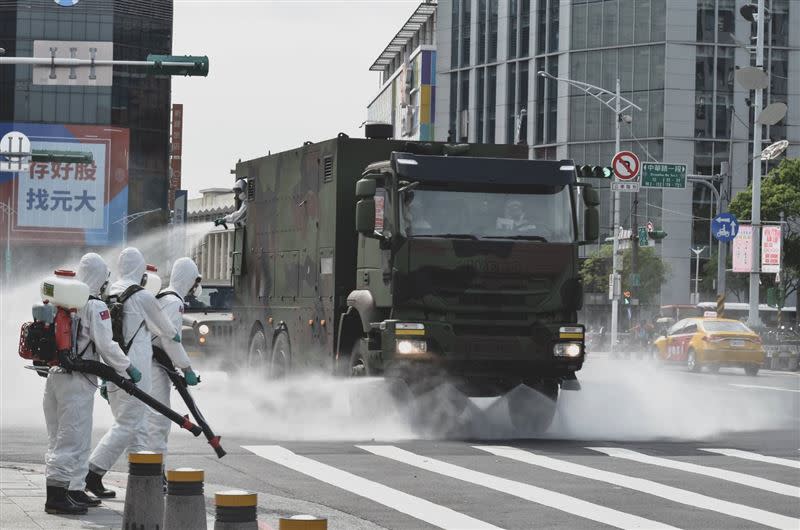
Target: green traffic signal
598, 172
188, 65
657, 235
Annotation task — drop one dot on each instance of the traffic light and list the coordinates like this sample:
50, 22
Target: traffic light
189, 65
658, 235
596, 172
65, 157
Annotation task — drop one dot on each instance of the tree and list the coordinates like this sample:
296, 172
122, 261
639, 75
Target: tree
651, 268
736, 284
780, 192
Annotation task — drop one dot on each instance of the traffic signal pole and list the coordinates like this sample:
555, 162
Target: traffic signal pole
616, 285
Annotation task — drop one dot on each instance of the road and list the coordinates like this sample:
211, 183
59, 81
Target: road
639, 446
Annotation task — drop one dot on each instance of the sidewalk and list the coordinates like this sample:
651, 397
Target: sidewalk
22, 496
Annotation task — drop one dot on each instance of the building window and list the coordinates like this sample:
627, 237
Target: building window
491, 102
480, 107
492, 55
454, 33
525, 29
466, 20
511, 107
481, 32
513, 26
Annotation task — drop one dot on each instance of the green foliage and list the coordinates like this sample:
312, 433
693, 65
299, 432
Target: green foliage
780, 192
652, 271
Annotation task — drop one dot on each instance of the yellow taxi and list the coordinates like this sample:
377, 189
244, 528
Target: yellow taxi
711, 343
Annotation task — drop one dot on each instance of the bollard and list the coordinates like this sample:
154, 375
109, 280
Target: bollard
144, 498
185, 506
236, 510
302, 522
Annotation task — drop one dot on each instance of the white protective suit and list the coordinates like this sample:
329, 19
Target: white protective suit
69, 398
128, 430
183, 278
240, 215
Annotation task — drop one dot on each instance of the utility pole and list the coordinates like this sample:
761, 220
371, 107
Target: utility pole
753, 319
613, 101
635, 248
722, 247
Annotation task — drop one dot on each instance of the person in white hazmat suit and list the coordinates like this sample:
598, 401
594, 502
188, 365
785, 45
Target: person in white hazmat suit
185, 280
69, 398
240, 215
142, 317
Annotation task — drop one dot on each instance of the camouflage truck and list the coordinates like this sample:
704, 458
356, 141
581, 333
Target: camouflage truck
375, 257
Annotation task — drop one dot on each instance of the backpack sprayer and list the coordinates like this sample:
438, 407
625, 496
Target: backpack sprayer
51, 340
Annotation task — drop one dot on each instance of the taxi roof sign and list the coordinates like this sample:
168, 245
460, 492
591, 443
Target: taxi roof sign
710, 314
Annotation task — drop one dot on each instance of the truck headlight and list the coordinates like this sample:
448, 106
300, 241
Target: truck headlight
567, 349
410, 347
203, 329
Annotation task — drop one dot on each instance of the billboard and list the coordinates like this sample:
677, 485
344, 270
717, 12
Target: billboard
68, 203
771, 249
743, 249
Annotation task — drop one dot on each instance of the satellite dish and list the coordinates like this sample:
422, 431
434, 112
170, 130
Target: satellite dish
772, 114
775, 150
752, 78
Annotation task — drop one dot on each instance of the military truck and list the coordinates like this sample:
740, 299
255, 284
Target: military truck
378, 257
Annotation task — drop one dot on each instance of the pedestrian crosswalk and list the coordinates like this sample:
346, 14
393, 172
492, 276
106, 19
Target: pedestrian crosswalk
615, 486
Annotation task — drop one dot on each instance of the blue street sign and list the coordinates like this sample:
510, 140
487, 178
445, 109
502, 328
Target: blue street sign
725, 226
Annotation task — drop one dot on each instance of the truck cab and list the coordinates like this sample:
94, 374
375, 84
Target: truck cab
467, 267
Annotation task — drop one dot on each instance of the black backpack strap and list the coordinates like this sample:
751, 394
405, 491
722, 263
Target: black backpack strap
122, 298
162, 294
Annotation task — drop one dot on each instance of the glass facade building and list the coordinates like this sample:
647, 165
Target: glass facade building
675, 59
134, 101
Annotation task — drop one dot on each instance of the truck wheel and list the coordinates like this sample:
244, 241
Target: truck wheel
257, 354
359, 366
281, 356
534, 415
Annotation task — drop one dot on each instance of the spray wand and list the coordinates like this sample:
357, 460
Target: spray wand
179, 382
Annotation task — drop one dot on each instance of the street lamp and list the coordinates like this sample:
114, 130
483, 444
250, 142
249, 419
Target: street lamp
613, 101
697, 251
755, 78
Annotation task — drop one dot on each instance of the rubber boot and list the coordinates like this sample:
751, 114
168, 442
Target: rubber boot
58, 503
94, 485
79, 497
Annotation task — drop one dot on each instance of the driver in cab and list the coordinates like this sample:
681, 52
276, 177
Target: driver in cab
515, 218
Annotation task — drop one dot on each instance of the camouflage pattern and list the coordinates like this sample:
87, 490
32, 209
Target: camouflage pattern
301, 258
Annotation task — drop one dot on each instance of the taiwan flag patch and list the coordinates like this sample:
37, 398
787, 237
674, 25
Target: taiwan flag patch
105, 315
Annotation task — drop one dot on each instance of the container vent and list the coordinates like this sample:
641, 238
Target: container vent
327, 169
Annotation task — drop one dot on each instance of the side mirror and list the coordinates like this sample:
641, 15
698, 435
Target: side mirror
590, 197
365, 215
365, 188
591, 224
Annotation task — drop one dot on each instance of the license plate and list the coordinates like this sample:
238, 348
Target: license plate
737, 343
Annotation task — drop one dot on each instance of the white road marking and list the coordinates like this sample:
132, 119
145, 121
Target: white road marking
766, 387
416, 507
689, 498
722, 474
748, 455
552, 499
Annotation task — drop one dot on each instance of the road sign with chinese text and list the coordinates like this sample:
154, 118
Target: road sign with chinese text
626, 166
659, 175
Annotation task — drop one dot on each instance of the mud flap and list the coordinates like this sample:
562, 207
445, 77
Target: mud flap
570, 382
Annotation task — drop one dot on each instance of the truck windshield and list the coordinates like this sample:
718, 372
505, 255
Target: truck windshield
542, 216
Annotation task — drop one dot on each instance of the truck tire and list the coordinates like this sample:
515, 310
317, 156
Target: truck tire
359, 365
280, 361
751, 370
534, 416
257, 353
